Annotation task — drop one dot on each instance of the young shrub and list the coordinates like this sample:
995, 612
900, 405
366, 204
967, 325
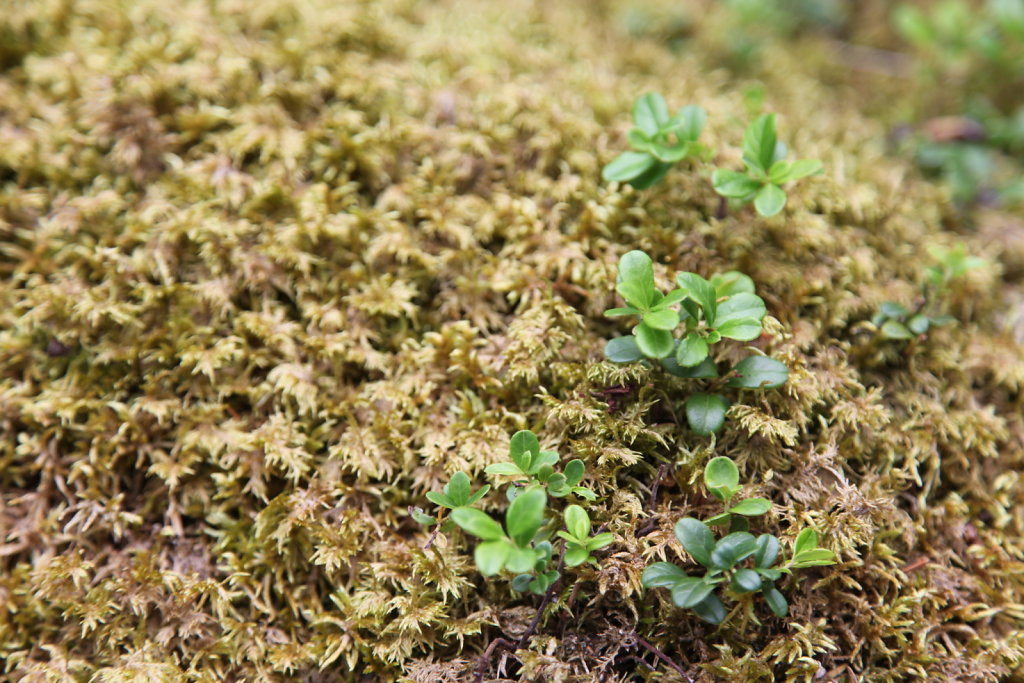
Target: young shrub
896, 321
724, 307
530, 465
765, 170
725, 560
657, 140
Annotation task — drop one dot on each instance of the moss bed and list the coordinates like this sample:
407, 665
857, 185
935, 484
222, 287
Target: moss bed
269, 272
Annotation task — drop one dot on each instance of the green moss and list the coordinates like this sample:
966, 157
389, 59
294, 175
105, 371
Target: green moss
271, 272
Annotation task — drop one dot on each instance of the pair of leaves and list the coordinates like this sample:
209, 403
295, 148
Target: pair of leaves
457, 493
657, 141
765, 169
635, 283
531, 463
806, 552
507, 548
579, 543
736, 315
723, 481
895, 321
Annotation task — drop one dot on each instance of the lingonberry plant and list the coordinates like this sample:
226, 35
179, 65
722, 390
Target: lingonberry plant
765, 170
724, 559
896, 321
657, 141
724, 307
523, 545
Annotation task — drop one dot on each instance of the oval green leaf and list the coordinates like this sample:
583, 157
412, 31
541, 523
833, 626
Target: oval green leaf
623, 350
478, 523
525, 515
627, 166
690, 591
653, 343
490, 557
759, 372
732, 549
751, 507
769, 200
705, 413
696, 538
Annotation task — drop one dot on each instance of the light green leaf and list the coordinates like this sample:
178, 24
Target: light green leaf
892, 329
525, 515
575, 554
627, 310
478, 523
665, 319
919, 323
696, 538
806, 540
819, 557
438, 498
639, 141
744, 329
734, 184
504, 468
721, 473
636, 279
690, 591
688, 123
490, 557
623, 350
653, 343
521, 559
769, 200
577, 521
522, 583
759, 143
705, 370
479, 494
662, 575
522, 447
701, 291
628, 166
650, 113
731, 283
801, 169
751, 507
601, 540
705, 413
458, 489
759, 372
574, 472
738, 307
692, 350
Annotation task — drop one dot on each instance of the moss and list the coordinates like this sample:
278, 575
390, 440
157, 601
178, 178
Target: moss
271, 272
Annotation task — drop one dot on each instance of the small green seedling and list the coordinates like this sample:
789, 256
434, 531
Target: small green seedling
722, 479
513, 547
765, 170
724, 559
457, 493
530, 465
896, 321
657, 141
709, 310
578, 541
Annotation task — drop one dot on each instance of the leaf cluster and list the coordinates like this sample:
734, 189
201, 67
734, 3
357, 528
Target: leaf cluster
658, 141
724, 307
724, 558
528, 464
765, 169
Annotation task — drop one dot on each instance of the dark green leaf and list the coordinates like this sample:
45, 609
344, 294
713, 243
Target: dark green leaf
705, 413
746, 581
653, 343
776, 601
623, 350
738, 523
691, 350
628, 166
759, 372
662, 575
574, 472
696, 538
690, 591
711, 609
522, 583
767, 551
523, 447
732, 549
705, 369
651, 175
490, 557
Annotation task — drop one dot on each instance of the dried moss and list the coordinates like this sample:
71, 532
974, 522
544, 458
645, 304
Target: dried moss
272, 271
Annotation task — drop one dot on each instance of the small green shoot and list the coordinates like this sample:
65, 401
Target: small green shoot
657, 141
579, 542
765, 170
530, 465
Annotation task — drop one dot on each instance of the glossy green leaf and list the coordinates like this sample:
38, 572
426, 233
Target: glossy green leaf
522, 448
665, 319
711, 609
577, 521
745, 329
767, 551
739, 307
696, 538
690, 591
776, 601
770, 200
746, 581
705, 413
759, 372
806, 540
490, 557
662, 575
704, 370
653, 343
504, 468
691, 350
721, 473
732, 549
575, 554
574, 472
458, 489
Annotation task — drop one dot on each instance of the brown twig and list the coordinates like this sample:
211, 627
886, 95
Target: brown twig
433, 534
663, 657
481, 668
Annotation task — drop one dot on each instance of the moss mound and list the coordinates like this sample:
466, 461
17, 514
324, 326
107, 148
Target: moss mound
272, 271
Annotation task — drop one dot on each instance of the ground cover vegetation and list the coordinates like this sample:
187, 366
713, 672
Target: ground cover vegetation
305, 372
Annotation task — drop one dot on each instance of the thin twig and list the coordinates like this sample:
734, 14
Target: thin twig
481, 668
662, 468
433, 534
663, 657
